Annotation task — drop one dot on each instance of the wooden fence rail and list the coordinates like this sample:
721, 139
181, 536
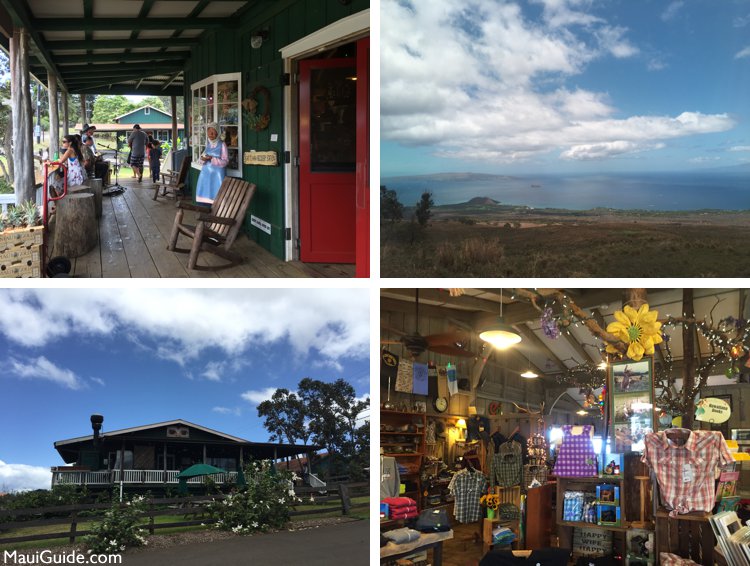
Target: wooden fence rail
337, 498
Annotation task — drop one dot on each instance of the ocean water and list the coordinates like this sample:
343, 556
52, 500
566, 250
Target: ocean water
646, 191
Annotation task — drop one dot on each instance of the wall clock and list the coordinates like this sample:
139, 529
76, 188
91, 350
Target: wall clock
440, 404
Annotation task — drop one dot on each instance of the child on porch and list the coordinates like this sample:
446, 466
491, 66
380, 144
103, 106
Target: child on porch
154, 160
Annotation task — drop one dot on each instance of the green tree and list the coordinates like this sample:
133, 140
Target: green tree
107, 108
422, 211
284, 416
333, 412
154, 101
391, 210
6, 121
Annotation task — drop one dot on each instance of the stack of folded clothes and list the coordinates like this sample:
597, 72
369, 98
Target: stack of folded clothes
401, 507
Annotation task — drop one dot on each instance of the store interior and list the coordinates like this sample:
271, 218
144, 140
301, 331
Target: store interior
550, 426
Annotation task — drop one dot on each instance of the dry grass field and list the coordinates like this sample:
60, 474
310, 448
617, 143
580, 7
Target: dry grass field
489, 243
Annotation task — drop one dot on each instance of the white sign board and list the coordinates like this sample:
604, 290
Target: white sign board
260, 223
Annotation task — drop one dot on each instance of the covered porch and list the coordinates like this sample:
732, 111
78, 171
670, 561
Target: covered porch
132, 242
62, 476
193, 50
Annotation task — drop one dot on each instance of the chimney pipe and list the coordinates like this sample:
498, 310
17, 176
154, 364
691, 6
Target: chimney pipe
96, 424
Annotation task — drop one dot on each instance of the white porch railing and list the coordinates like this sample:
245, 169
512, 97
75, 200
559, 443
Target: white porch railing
60, 477
5, 200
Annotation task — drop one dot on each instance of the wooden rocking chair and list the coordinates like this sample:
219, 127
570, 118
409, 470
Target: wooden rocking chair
173, 181
217, 228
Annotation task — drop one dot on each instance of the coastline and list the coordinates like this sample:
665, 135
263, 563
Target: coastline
495, 214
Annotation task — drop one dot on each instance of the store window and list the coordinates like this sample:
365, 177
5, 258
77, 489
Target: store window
217, 99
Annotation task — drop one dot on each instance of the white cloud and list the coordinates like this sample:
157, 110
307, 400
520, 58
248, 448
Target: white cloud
501, 93
740, 148
671, 11
656, 64
98, 380
334, 323
258, 396
741, 21
704, 159
227, 411
214, 371
605, 149
22, 477
742, 54
42, 368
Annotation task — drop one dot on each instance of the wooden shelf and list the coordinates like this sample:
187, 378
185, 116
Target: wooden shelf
402, 433
700, 516
591, 480
403, 454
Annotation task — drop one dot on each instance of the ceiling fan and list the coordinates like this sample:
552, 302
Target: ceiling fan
453, 343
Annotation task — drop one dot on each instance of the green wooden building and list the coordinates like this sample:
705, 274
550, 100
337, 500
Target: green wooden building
151, 120
150, 456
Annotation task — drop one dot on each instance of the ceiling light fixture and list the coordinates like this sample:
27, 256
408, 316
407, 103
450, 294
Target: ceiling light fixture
501, 335
582, 413
529, 373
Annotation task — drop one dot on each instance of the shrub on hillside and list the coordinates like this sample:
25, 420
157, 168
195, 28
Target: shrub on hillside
469, 256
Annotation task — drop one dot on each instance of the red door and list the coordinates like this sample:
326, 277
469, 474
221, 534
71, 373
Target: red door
363, 158
328, 160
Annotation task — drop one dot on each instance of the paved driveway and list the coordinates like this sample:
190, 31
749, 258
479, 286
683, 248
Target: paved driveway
347, 543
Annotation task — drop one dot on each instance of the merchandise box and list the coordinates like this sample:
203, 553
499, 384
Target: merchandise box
611, 465
608, 494
608, 515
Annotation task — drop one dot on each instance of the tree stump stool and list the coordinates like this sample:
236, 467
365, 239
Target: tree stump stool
75, 231
97, 188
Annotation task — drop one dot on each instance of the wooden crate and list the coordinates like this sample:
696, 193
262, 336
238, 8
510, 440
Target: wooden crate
15, 253
21, 237
21, 268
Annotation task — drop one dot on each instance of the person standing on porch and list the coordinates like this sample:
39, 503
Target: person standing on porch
154, 160
89, 159
74, 159
215, 161
137, 142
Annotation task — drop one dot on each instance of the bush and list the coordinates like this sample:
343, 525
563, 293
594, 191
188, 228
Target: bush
470, 255
119, 529
262, 505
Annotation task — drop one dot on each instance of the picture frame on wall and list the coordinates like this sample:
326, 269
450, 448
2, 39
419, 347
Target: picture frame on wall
631, 395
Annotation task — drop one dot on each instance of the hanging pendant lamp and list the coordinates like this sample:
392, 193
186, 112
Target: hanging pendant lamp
500, 334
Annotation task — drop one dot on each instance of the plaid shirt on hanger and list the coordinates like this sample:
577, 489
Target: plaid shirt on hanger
507, 465
686, 473
467, 487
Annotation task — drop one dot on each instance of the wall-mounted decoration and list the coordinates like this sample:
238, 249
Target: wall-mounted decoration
258, 108
269, 158
631, 387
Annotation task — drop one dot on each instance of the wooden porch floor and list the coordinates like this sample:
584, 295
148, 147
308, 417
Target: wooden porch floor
133, 235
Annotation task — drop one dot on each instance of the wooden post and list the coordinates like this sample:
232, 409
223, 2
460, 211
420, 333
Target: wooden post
688, 350
73, 527
23, 141
346, 501
84, 118
173, 101
54, 116
66, 120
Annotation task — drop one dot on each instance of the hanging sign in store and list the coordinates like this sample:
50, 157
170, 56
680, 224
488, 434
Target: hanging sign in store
270, 158
712, 410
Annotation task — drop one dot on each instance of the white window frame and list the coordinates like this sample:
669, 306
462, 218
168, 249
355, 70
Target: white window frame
194, 135
147, 111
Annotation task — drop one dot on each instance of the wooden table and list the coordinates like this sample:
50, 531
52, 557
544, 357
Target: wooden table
424, 542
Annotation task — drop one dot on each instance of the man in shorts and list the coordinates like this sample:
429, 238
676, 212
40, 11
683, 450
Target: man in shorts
137, 142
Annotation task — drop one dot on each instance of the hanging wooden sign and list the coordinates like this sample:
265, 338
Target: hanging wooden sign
712, 410
270, 158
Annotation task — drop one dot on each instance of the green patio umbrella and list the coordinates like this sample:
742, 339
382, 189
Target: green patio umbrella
194, 471
241, 481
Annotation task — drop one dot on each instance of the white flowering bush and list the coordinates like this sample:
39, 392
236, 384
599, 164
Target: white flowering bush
119, 528
261, 506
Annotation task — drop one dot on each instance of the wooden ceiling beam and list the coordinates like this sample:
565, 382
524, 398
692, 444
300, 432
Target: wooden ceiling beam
90, 44
464, 302
397, 305
93, 70
145, 90
128, 24
113, 58
529, 335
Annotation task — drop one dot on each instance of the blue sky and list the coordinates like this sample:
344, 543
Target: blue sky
545, 86
151, 355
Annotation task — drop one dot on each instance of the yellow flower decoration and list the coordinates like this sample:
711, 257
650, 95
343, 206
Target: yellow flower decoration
639, 329
491, 500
